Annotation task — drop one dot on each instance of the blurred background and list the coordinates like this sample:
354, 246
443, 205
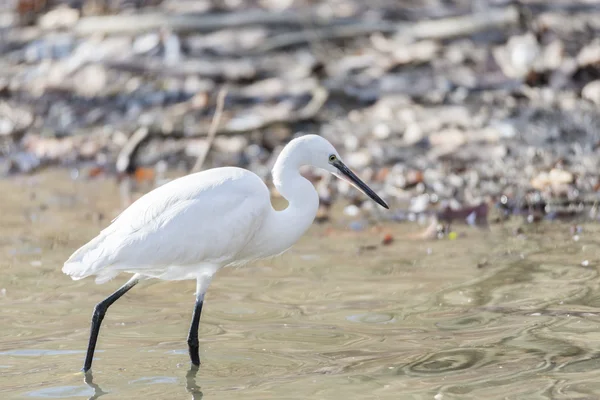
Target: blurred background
458, 113
441, 105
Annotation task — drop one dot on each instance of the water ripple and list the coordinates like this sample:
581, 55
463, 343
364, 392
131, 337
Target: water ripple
446, 362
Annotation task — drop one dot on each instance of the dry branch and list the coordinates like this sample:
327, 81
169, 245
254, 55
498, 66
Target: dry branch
442, 28
133, 24
212, 131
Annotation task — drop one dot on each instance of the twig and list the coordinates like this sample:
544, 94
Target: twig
212, 131
125, 158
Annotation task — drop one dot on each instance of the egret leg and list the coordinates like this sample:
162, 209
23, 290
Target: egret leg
193, 343
98, 316
192, 340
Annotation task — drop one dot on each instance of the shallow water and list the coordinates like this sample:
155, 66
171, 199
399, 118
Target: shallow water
488, 315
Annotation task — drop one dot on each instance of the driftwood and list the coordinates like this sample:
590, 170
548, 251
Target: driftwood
133, 24
443, 28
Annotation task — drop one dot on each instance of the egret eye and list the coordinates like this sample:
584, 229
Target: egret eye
332, 158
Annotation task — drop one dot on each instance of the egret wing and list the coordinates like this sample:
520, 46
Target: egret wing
209, 219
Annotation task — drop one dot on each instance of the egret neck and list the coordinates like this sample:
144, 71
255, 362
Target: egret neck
285, 227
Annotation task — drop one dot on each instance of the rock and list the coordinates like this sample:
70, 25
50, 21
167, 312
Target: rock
555, 180
226, 41
449, 138
359, 159
49, 148
412, 134
7, 127
91, 80
412, 178
146, 43
351, 210
233, 144
589, 54
591, 92
21, 162
418, 52
14, 119
276, 135
322, 214
59, 18
552, 56
518, 56
277, 5
419, 204
172, 48
381, 131
357, 225
90, 148
387, 239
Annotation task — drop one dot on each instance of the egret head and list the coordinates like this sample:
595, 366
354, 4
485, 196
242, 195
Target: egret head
321, 154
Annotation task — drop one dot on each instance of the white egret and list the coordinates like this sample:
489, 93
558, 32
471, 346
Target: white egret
191, 227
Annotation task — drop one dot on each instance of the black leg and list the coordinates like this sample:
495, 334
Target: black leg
98, 316
193, 344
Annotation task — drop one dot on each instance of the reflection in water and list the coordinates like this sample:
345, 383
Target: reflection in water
446, 362
191, 385
38, 352
89, 380
59, 392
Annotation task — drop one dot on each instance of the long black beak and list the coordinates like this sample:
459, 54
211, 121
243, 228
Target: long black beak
347, 174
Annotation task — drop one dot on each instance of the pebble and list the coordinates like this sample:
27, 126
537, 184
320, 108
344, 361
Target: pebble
6, 126
381, 131
589, 54
351, 210
359, 159
517, 57
90, 80
357, 225
419, 204
146, 43
554, 178
59, 18
591, 92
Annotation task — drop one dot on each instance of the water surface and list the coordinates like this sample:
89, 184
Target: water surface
489, 315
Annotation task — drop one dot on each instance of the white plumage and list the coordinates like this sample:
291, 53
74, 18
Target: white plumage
179, 229
194, 225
